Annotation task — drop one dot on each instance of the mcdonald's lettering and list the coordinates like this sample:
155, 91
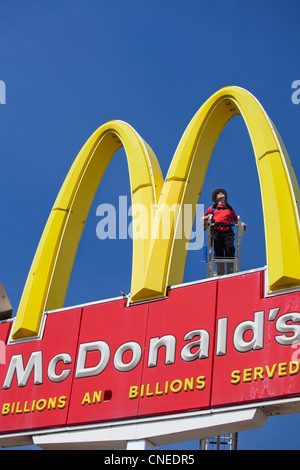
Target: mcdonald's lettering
167, 348
120, 361
195, 346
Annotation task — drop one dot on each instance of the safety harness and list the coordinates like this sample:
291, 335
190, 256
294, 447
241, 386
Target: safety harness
227, 206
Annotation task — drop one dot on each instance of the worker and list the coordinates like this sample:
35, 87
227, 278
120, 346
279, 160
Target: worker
222, 216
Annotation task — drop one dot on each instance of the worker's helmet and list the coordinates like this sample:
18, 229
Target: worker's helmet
219, 190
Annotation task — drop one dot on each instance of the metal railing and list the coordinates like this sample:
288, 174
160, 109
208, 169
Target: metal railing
222, 442
233, 265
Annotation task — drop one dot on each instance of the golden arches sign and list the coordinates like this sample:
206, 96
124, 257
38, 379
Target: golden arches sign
158, 262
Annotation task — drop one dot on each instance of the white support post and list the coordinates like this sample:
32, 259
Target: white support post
141, 444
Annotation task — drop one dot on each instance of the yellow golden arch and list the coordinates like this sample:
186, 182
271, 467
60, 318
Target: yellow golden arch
159, 262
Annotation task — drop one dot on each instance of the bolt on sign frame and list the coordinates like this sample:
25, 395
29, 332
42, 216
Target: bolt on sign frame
157, 262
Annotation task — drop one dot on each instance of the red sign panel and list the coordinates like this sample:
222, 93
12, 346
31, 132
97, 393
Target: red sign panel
211, 344
110, 359
259, 341
36, 377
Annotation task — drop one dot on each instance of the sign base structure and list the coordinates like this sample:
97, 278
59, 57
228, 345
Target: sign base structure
145, 433
213, 357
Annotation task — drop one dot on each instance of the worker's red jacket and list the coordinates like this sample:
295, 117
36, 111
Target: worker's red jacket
222, 215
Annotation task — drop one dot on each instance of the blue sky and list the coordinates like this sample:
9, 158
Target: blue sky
71, 65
